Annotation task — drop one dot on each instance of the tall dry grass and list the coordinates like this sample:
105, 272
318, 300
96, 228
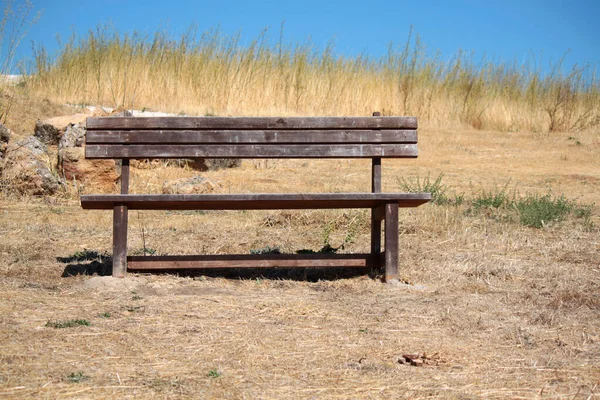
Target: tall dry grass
215, 74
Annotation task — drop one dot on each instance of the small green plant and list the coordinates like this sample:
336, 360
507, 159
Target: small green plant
327, 247
135, 296
105, 315
77, 377
266, 250
437, 189
537, 211
68, 324
492, 199
214, 373
145, 251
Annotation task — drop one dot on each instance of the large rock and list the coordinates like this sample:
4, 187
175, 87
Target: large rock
74, 136
27, 169
193, 185
100, 175
50, 131
5, 135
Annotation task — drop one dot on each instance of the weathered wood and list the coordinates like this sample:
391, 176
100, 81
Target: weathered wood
124, 176
246, 136
391, 242
252, 151
256, 137
120, 219
259, 123
376, 219
252, 261
251, 201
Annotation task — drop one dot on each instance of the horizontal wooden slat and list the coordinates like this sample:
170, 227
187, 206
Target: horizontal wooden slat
252, 261
251, 201
256, 137
259, 123
251, 151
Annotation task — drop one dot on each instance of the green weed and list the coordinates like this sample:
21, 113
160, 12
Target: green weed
492, 199
214, 373
68, 324
77, 377
537, 211
438, 190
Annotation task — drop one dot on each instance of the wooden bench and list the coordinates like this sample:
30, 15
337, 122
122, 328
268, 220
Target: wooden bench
255, 137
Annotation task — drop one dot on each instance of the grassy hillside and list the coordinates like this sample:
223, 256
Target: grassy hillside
215, 74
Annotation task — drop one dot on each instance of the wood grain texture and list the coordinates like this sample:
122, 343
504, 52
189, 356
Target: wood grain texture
112, 123
124, 176
120, 220
96, 151
252, 261
252, 201
252, 137
391, 242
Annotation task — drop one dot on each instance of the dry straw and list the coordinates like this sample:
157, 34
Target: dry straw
215, 74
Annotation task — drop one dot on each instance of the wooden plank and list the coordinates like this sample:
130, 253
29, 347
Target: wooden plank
252, 201
97, 123
251, 261
376, 175
247, 136
251, 151
125, 176
391, 242
375, 218
120, 219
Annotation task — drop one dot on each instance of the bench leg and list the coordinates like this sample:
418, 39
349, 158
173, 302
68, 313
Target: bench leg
391, 242
120, 217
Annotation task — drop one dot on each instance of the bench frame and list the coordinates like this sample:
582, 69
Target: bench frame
384, 209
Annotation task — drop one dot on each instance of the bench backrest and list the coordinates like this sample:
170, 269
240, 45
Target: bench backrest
251, 137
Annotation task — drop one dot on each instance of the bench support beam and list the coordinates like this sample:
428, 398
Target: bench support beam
120, 222
391, 242
120, 217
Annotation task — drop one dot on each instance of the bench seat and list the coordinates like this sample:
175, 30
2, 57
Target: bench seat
261, 201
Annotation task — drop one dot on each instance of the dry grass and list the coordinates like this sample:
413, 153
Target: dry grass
215, 74
500, 310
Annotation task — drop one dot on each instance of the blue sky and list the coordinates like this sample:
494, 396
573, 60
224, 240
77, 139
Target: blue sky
503, 30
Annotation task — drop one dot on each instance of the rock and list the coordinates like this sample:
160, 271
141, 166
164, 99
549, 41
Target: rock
120, 112
194, 185
46, 132
5, 135
27, 170
50, 131
213, 164
74, 136
101, 175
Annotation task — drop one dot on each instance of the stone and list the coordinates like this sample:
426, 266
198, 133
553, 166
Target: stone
74, 136
27, 169
5, 135
120, 112
194, 185
50, 131
101, 175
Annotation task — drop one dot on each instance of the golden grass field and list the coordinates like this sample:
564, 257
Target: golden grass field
495, 309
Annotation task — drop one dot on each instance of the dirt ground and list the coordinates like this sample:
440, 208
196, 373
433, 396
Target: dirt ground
487, 307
